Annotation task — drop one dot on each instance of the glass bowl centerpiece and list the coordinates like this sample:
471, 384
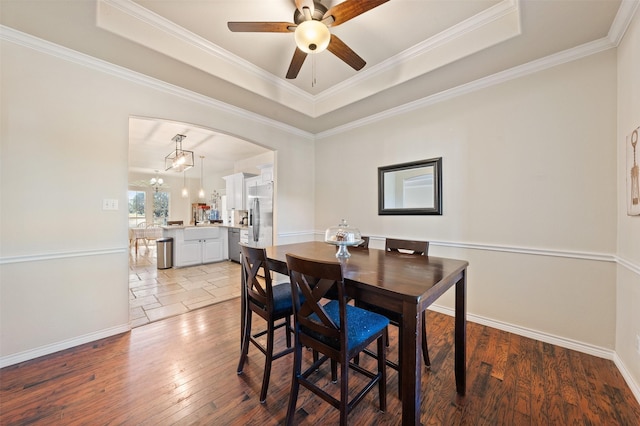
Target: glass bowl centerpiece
342, 236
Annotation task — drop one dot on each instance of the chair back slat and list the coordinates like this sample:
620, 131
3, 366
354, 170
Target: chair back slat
271, 303
313, 280
364, 243
420, 248
321, 325
257, 275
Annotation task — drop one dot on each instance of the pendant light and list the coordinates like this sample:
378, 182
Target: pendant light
185, 191
180, 159
201, 192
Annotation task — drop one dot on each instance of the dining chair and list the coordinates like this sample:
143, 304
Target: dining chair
364, 243
151, 233
336, 330
272, 303
416, 248
333, 293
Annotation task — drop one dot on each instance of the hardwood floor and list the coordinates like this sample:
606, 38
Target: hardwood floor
182, 370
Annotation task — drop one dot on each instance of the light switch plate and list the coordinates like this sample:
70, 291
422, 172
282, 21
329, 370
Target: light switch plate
109, 204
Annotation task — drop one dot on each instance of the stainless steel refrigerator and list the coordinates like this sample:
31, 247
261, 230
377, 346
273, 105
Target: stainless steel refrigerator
260, 204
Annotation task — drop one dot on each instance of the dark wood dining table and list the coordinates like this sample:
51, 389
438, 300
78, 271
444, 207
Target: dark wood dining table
402, 283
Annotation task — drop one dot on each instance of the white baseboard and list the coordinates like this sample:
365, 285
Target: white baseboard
532, 334
59, 346
635, 387
554, 340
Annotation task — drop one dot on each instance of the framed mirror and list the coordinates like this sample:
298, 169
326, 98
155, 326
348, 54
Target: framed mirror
413, 188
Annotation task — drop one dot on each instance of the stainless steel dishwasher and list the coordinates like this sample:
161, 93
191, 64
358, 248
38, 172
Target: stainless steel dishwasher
234, 244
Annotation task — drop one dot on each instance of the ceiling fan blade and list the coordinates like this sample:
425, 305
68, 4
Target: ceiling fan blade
349, 9
301, 4
344, 52
296, 63
261, 27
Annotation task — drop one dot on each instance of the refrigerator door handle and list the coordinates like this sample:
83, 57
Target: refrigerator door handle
256, 224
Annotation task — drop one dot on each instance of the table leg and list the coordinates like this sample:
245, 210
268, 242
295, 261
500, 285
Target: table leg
461, 335
411, 364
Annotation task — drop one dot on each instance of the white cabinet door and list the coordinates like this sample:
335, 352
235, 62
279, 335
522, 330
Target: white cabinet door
266, 173
212, 251
238, 191
191, 253
198, 245
231, 188
235, 190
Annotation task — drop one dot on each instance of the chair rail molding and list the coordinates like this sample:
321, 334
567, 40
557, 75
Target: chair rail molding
61, 255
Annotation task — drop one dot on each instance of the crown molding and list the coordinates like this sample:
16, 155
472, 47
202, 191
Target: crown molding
563, 57
155, 32
622, 20
449, 35
485, 29
146, 16
26, 40
132, 21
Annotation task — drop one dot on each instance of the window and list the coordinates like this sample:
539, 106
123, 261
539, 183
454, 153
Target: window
160, 207
136, 208
154, 213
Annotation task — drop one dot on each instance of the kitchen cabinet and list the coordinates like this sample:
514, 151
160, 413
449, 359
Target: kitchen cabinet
195, 245
236, 192
266, 173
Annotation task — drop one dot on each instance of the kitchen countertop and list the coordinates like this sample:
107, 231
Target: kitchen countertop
204, 225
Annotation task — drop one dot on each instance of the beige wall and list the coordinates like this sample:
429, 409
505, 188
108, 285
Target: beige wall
64, 135
529, 196
628, 283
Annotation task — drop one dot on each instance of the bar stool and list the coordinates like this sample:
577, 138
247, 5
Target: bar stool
334, 329
271, 303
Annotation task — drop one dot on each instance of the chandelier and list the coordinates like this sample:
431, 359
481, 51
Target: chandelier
156, 182
180, 159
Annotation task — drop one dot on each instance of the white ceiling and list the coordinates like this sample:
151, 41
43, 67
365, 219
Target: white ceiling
433, 34
414, 49
151, 140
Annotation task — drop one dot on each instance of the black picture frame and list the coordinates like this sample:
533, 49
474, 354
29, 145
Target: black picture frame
413, 188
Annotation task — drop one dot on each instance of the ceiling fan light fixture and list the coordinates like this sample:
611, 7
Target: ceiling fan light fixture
312, 36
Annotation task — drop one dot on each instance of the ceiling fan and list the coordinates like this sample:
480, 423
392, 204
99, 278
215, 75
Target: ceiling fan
311, 23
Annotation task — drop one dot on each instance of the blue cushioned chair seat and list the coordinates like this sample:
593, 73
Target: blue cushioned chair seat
282, 298
362, 324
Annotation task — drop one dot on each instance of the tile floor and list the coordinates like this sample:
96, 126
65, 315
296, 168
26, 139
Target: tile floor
155, 293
